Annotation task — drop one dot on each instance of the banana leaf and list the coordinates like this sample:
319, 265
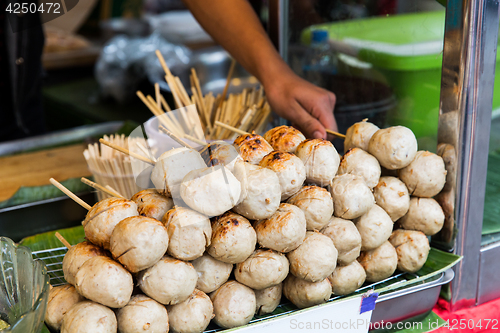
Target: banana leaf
430, 322
48, 240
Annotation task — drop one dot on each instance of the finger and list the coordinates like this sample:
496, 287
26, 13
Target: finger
325, 112
309, 125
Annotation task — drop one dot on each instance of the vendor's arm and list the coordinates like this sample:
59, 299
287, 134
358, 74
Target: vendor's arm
234, 25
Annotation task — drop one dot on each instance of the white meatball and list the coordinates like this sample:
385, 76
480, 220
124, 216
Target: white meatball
316, 203
392, 195
351, 197
102, 218
152, 204
394, 147
142, 314
105, 281
412, 248
189, 233
425, 175
379, 263
138, 242
212, 273
172, 166
61, 299
290, 170
89, 317
304, 294
345, 237
193, 315
284, 138
220, 153
347, 279
76, 256
447, 152
284, 231
268, 299
260, 191
252, 148
211, 191
375, 227
359, 163
321, 160
233, 238
169, 281
314, 259
425, 214
234, 304
263, 269
359, 135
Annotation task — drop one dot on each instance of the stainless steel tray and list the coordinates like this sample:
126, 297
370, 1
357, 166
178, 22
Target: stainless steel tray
392, 306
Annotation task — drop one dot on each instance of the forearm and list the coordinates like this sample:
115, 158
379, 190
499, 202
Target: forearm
235, 26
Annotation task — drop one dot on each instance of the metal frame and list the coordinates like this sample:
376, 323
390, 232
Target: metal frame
468, 73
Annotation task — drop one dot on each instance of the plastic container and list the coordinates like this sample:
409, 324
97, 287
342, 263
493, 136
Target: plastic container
407, 50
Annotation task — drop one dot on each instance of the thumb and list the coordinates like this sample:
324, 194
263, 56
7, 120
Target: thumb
308, 125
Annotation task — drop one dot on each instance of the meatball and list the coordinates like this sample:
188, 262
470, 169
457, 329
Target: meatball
347, 279
314, 259
424, 215
211, 191
351, 197
102, 218
138, 242
89, 317
284, 231
105, 281
61, 299
375, 228
171, 168
359, 163
263, 269
317, 205
320, 159
189, 233
152, 204
447, 152
234, 304
394, 147
212, 273
345, 237
304, 294
260, 191
359, 135
379, 263
142, 314
169, 281
252, 148
290, 170
76, 256
220, 153
392, 195
284, 138
193, 315
268, 299
425, 175
233, 238
412, 248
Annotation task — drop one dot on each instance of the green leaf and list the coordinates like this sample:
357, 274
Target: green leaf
48, 240
428, 323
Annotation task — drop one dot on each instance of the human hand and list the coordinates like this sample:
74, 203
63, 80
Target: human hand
307, 106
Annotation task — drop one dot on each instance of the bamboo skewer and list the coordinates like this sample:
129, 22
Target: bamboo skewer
70, 194
126, 151
231, 128
117, 194
99, 187
163, 63
175, 137
145, 151
192, 138
63, 240
342, 136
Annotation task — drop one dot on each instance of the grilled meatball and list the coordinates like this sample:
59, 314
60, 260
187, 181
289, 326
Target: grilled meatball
379, 263
347, 279
138, 242
142, 314
425, 175
304, 294
392, 195
412, 248
284, 138
394, 147
193, 315
102, 218
345, 237
375, 227
252, 148
424, 214
220, 153
290, 170
359, 135
317, 205
268, 299
76, 256
61, 299
351, 197
234, 304
88, 316
212, 273
263, 269
152, 204
320, 159
359, 163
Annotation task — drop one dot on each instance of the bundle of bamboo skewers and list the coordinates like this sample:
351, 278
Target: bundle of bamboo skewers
248, 111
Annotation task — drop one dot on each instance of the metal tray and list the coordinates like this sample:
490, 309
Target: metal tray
392, 306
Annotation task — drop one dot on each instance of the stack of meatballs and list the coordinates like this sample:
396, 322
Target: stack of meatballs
231, 228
